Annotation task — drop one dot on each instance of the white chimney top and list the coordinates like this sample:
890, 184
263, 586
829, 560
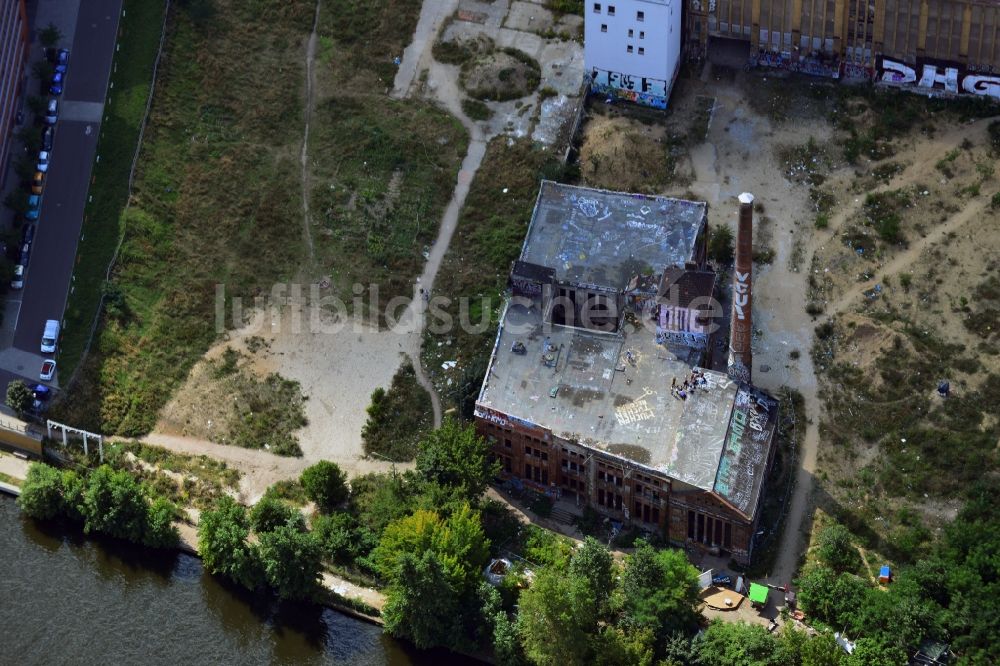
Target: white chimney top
746, 198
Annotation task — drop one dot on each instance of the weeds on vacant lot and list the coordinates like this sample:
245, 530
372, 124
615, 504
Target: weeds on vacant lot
919, 438
214, 192
217, 192
398, 418
882, 211
138, 39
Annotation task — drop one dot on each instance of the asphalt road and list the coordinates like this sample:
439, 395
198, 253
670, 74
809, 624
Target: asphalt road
53, 254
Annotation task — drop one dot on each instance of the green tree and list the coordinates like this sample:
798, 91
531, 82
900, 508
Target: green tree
114, 504
831, 597
42, 492
557, 619
340, 536
73, 486
660, 589
459, 543
822, 650
720, 244
19, 396
160, 530
594, 562
292, 561
326, 484
737, 644
270, 512
222, 542
455, 456
50, 35
379, 499
616, 645
875, 651
836, 550
422, 604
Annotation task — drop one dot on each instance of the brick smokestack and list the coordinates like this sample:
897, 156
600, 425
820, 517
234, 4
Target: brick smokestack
741, 324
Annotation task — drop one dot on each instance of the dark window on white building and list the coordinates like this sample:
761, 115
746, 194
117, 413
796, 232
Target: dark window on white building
597, 8
628, 48
640, 16
604, 27
611, 10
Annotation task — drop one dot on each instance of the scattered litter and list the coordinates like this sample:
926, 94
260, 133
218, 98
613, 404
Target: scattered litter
448, 365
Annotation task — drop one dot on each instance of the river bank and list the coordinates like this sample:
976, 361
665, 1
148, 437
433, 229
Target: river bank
72, 598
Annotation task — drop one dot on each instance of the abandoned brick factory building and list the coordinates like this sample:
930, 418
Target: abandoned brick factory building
595, 391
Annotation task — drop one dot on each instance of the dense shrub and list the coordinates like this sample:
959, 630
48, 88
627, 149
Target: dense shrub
325, 484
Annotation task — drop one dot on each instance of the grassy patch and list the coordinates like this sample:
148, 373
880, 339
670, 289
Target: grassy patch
476, 110
289, 490
398, 418
216, 185
257, 413
500, 75
488, 238
217, 195
7, 478
211, 470
883, 212
139, 37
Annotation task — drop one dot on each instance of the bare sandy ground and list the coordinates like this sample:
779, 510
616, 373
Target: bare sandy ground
338, 370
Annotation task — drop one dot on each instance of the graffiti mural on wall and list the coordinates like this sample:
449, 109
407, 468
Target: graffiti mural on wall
850, 71
946, 77
813, 65
638, 89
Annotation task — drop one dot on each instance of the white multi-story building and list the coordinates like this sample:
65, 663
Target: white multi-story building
632, 48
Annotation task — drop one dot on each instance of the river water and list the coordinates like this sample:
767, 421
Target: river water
66, 598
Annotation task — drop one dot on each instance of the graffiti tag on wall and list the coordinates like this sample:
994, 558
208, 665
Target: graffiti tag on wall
638, 89
524, 287
939, 77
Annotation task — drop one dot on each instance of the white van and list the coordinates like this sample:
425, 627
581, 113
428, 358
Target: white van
50, 336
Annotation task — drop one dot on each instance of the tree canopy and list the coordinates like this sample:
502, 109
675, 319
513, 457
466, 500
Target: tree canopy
41, 495
325, 484
222, 543
455, 456
19, 396
292, 561
107, 501
557, 618
660, 589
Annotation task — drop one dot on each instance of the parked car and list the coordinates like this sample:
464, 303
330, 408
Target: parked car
50, 336
48, 370
28, 234
34, 203
43, 161
17, 282
62, 61
37, 182
52, 112
56, 85
47, 136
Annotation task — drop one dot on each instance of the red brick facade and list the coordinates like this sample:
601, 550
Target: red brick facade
617, 488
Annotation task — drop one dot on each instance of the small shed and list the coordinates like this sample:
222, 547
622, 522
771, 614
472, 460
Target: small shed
758, 594
885, 575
